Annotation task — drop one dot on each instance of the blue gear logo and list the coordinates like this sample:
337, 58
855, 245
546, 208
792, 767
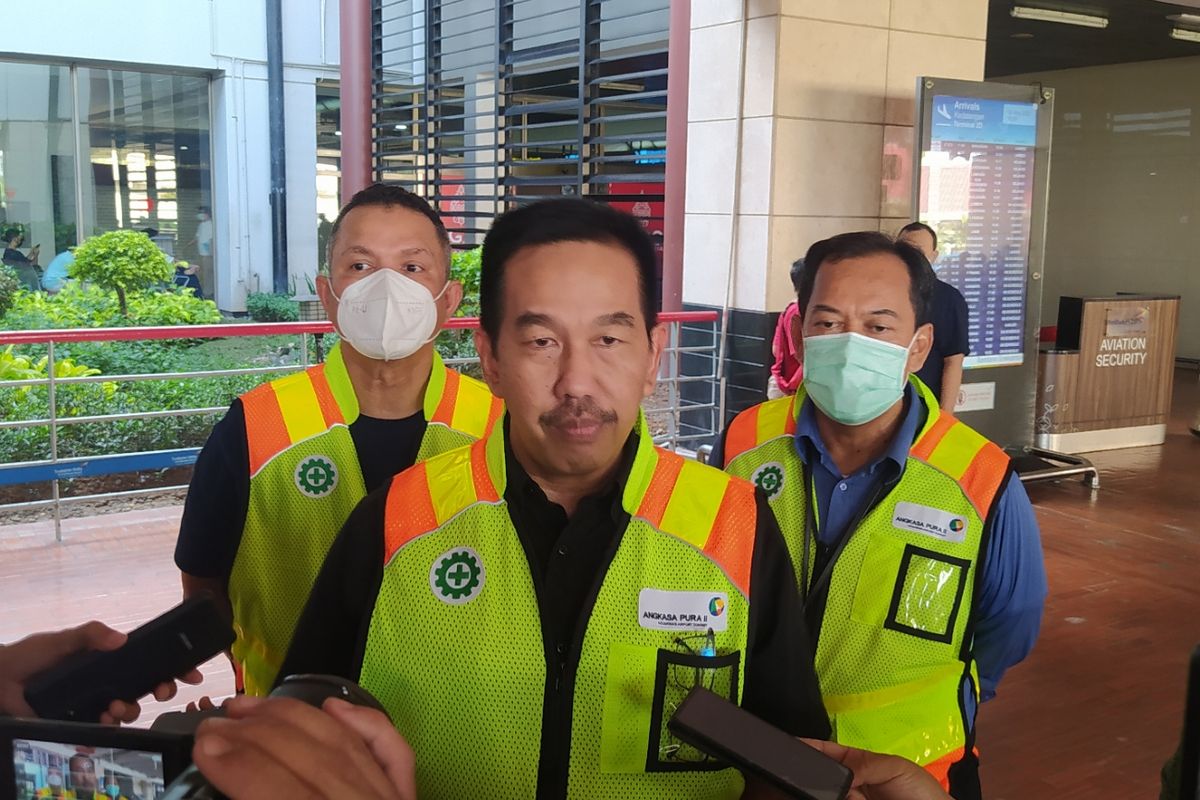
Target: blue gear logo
316, 476
769, 478
457, 576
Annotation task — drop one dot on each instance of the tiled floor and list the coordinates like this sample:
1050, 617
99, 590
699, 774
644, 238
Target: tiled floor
1092, 714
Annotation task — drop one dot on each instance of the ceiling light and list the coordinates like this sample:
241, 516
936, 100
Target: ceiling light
1190, 20
1065, 17
1021, 36
337, 133
401, 127
1185, 35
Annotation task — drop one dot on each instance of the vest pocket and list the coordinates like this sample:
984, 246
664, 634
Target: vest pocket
643, 688
675, 677
928, 594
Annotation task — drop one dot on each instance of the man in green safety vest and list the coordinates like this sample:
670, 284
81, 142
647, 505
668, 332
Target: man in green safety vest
915, 546
531, 609
284, 468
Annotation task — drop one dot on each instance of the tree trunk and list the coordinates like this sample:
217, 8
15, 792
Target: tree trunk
121, 301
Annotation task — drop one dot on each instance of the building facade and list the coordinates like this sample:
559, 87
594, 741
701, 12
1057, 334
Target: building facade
151, 115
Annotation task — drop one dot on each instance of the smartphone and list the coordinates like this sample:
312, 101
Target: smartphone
81, 688
716, 726
44, 758
1189, 757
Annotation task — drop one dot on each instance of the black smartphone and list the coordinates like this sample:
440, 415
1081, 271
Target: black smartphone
81, 688
716, 726
1189, 756
44, 758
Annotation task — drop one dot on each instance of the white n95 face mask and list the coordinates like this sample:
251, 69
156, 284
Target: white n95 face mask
387, 316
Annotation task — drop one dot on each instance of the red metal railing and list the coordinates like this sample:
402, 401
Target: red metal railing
248, 329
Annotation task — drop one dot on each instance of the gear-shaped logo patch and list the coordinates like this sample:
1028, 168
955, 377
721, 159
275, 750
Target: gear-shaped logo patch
316, 476
769, 478
457, 576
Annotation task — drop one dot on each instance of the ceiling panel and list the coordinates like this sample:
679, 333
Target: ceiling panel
1138, 30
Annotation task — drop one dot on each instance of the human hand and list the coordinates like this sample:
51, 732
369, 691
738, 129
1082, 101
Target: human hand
882, 777
22, 660
279, 747
205, 703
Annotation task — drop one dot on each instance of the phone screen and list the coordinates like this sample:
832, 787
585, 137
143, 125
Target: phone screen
61, 770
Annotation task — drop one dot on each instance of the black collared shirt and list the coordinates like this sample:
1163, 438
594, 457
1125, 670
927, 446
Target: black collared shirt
567, 559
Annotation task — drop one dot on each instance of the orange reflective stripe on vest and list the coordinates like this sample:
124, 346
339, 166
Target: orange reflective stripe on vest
717, 516
461, 416
424, 496
727, 544
286, 411
976, 464
759, 424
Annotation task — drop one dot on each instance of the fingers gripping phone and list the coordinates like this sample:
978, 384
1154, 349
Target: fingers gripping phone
716, 726
81, 688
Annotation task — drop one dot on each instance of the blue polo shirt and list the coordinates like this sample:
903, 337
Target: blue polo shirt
1013, 593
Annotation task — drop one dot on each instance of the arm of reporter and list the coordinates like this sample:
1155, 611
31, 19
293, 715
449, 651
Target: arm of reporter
279, 747
24, 659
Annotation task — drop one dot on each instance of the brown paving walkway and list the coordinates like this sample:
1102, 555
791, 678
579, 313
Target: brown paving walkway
1092, 714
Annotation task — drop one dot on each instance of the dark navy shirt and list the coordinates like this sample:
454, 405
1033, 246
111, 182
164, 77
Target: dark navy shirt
948, 313
1014, 576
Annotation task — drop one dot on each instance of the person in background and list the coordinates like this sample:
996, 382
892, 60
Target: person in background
786, 370
187, 277
58, 271
943, 370
26, 266
203, 241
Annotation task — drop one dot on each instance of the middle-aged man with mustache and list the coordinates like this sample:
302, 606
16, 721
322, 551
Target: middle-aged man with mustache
531, 609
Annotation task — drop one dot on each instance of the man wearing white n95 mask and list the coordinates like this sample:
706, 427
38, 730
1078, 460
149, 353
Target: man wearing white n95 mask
915, 547
284, 468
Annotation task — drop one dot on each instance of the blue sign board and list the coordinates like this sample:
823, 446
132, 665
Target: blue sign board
12, 474
972, 119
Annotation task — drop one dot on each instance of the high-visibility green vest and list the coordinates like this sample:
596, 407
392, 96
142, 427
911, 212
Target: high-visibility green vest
895, 641
304, 482
455, 649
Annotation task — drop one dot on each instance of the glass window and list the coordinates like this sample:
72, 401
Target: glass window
329, 162
37, 167
146, 136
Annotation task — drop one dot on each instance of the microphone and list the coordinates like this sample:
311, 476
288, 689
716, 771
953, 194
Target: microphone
311, 689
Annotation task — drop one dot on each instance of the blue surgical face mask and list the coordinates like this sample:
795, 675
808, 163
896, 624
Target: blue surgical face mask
853, 378
114, 790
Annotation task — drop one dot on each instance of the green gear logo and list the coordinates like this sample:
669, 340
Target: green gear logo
457, 576
316, 476
769, 478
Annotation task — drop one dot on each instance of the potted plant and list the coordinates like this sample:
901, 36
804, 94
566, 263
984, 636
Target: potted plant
311, 309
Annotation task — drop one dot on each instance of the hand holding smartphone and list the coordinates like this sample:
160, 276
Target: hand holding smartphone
81, 688
716, 726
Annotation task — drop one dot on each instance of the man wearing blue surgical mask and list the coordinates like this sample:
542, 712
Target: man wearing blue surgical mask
284, 468
915, 546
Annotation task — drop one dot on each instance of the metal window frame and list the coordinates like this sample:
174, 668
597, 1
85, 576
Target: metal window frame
586, 162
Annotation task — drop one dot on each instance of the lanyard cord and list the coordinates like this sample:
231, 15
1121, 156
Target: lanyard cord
821, 581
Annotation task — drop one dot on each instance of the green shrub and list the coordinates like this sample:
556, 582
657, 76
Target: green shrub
89, 306
10, 285
265, 307
464, 268
123, 261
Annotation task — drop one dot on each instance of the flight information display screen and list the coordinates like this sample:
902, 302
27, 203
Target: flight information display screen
976, 191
